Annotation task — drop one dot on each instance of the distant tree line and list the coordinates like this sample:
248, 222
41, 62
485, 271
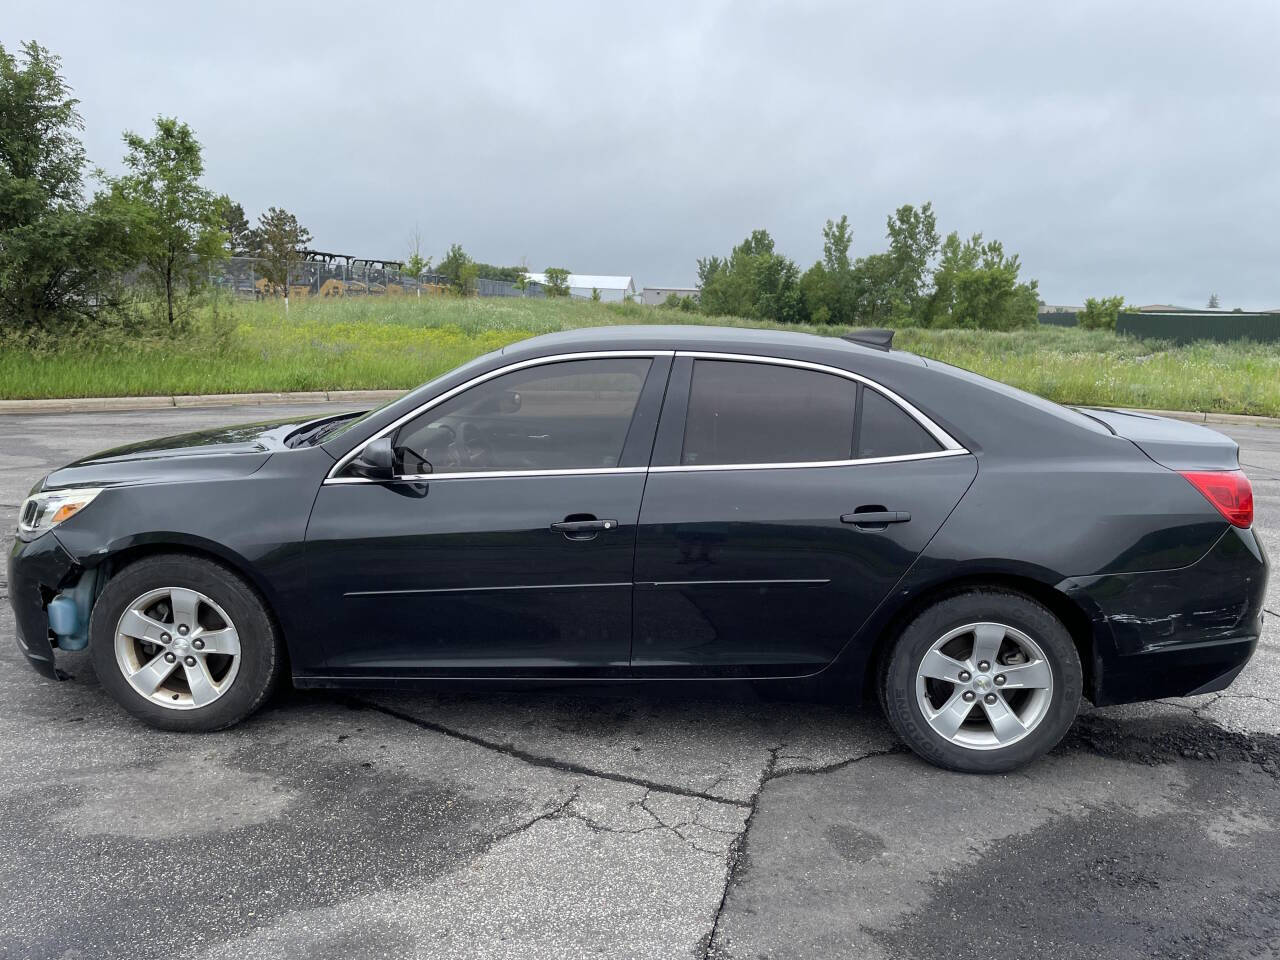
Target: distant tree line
921, 279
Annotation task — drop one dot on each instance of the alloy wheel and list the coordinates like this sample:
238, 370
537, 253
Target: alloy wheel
984, 686
177, 648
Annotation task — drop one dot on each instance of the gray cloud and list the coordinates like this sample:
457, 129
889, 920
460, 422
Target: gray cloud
1119, 148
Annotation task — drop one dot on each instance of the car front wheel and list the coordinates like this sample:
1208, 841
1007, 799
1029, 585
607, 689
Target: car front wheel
983, 681
183, 643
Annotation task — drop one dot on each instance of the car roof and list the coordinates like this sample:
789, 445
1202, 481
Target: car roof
701, 337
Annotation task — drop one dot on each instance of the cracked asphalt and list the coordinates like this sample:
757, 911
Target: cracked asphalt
545, 825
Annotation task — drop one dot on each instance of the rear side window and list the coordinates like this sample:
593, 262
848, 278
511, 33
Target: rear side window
742, 412
887, 431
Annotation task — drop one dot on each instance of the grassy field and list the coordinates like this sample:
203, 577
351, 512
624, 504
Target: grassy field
383, 343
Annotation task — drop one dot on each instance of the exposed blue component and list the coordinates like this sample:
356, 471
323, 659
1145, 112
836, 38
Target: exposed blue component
69, 612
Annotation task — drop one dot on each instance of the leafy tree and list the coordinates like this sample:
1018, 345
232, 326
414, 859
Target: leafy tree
1100, 313
837, 238
522, 282
491, 272
708, 267
754, 281
452, 265
876, 292
557, 281
913, 243
180, 222
1213, 303
976, 286
280, 236
242, 239
827, 287
595, 294
417, 264
58, 254
466, 285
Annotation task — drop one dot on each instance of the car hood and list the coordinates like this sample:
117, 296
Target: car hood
223, 452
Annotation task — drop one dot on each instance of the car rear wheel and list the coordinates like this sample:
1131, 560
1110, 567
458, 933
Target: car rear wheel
983, 681
183, 643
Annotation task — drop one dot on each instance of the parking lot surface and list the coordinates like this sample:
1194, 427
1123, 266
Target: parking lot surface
544, 825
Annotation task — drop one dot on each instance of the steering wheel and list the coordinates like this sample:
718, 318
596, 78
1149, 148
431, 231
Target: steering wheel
473, 447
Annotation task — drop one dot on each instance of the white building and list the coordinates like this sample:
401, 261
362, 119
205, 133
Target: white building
581, 284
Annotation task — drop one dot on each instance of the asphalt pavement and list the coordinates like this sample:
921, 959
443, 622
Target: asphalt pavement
541, 825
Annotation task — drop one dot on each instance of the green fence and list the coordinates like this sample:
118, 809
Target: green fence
1187, 327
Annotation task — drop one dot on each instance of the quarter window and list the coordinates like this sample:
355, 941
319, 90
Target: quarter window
570, 415
742, 412
887, 431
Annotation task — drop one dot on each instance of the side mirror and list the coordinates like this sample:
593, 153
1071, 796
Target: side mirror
376, 461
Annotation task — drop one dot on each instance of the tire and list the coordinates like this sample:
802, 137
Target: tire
1035, 678
138, 621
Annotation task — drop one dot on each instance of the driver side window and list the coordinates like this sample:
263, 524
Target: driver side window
570, 415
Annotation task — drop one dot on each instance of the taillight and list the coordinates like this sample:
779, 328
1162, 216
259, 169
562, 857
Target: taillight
1228, 490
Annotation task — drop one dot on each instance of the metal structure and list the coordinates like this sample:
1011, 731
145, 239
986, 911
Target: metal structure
318, 273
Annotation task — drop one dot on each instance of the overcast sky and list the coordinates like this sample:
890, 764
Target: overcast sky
1129, 148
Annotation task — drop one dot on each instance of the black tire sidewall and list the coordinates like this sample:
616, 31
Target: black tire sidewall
259, 648
898, 690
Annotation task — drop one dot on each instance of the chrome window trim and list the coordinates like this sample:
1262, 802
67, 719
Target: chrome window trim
491, 474
807, 465
332, 475
950, 447
945, 439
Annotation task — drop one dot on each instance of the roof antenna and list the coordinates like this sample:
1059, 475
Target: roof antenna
878, 339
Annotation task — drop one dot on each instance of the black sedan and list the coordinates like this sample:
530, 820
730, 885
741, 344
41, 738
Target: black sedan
682, 505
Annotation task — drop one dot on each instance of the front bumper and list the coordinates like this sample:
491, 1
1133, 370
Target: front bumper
37, 570
1176, 633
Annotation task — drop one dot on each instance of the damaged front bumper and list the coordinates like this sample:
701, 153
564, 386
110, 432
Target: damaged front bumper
38, 570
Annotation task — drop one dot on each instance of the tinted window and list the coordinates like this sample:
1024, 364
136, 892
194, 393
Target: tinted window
561, 416
764, 413
887, 431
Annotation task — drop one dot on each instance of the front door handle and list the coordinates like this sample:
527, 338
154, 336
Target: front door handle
585, 529
876, 519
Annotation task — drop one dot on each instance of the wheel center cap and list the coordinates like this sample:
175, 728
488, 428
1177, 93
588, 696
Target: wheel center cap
981, 682
181, 644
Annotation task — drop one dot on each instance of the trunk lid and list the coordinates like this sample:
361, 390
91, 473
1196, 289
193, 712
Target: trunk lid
1171, 443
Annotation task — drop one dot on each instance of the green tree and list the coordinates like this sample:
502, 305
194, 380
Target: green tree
1214, 302
754, 281
1100, 313
180, 230
913, 243
595, 294
417, 264
280, 237
837, 238
467, 277
827, 288
454, 265
242, 239
58, 254
976, 286
557, 281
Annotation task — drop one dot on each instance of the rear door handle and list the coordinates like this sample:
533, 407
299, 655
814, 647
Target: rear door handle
876, 518
583, 529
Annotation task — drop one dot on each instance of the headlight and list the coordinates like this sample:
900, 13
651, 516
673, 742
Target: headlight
44, 511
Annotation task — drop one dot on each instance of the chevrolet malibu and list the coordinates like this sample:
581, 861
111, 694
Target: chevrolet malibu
686, 505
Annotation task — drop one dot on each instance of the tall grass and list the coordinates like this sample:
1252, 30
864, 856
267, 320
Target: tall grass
398, 343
